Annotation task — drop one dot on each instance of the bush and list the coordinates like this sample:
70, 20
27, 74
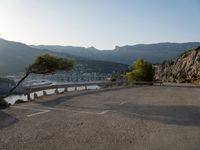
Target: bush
46, 63
3, 104
113, 77
19, 101
140, 70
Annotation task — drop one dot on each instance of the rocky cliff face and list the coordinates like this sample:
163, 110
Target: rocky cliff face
185, 68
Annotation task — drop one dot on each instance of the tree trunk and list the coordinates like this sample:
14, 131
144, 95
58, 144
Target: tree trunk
11, 90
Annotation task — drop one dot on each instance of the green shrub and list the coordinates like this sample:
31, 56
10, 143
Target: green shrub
3, 104
19, 101
140, 70
46, 63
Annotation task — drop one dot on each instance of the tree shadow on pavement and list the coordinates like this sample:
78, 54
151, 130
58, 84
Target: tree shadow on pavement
62, 99
177, 115
6, 119
180, 86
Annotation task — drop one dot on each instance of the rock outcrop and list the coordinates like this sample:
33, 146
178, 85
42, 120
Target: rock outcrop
185, 68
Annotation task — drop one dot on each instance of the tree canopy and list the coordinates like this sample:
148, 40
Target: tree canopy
140, 70
46, 63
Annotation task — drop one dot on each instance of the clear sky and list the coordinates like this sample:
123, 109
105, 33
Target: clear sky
99, 23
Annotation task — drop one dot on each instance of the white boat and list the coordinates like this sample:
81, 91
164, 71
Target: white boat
37, 83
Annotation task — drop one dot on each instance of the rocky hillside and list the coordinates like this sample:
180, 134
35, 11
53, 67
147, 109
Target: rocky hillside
185, 68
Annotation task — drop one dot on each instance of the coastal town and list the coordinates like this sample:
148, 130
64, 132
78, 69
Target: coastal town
99, 75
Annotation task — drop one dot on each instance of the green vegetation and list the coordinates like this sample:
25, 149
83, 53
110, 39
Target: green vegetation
140, 70
113, 77
19, 101
45, 64
3, 103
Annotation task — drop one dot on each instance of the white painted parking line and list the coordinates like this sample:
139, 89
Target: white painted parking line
103, 112
35, 114
28, 108
68, 110
42, 111
122, 103
45, 109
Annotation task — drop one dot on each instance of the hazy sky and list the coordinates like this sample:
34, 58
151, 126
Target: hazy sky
99, 23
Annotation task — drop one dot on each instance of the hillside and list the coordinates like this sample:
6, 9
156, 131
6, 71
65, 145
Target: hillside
15, 56
154, 53
185, 68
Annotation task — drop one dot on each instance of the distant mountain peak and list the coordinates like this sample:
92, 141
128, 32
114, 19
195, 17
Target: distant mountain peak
117, 47
154, 53
15, 57
92, 47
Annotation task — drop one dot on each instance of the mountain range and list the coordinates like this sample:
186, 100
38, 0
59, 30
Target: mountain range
154, 53
16, 56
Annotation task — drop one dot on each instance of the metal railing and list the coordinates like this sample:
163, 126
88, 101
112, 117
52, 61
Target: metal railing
103, 84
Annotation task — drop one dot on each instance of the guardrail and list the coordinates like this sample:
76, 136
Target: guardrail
104, 84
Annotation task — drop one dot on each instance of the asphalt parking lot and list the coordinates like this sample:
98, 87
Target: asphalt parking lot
136, 118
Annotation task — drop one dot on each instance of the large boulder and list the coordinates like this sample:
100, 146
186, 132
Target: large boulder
185, 68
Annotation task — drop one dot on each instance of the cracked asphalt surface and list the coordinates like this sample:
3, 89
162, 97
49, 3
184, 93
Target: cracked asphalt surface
135, 118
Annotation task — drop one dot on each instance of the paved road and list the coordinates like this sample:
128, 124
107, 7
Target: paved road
137, 118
